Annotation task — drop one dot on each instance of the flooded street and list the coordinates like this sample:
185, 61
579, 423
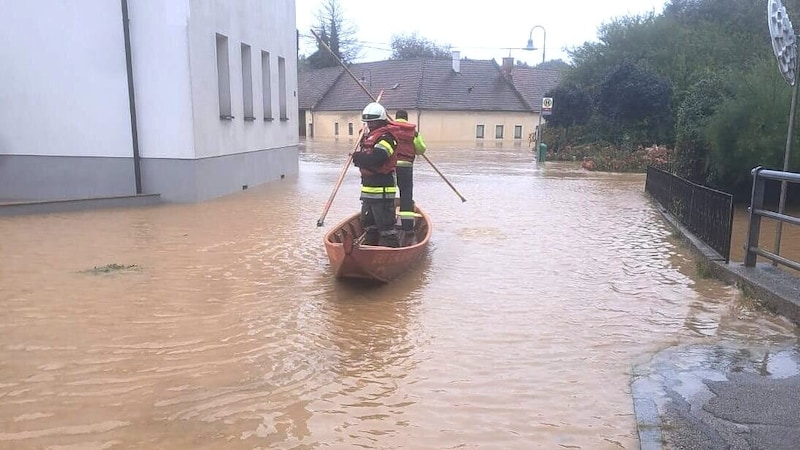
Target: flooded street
220, 324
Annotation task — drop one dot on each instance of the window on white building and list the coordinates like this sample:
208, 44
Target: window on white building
266, 85
498, 131
223, 78
517, 131
350, 128
479, 130
336, 128
282, 88
247, 83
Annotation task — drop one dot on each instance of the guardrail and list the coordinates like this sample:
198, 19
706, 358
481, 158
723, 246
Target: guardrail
757, 211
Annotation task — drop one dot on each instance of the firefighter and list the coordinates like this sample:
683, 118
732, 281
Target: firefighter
376, 159
409, 145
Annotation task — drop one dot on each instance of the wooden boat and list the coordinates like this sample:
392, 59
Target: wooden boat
351, 258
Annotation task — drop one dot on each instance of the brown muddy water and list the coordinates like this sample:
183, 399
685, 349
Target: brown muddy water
220, 326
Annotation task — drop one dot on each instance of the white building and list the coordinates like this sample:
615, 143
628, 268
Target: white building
202, 102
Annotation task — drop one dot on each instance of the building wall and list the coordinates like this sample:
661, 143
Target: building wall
441, 126
65, 128
64, 86
162, 78
267, 26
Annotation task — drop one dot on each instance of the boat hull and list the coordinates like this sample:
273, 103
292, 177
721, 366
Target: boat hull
350, 258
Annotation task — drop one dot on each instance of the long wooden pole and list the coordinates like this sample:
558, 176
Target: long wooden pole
321, 42
321, 220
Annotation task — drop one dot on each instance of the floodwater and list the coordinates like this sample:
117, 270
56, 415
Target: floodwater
219, 325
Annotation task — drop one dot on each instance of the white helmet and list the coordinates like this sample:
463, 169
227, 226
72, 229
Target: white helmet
373, 111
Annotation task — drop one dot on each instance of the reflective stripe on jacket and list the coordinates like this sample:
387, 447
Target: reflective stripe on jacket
376, 162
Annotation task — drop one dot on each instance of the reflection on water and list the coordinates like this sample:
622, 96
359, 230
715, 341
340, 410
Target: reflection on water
518, 329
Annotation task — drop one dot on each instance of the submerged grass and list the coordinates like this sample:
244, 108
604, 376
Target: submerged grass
112, 268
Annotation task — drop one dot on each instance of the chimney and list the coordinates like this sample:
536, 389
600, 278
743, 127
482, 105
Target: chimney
456, 61
508, 65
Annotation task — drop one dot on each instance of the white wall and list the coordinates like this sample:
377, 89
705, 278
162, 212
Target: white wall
264, 25
160, 53
63, 83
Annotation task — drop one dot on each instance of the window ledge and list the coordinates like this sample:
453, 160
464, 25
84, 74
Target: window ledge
269, 119
284, 119
249, 118
226, 117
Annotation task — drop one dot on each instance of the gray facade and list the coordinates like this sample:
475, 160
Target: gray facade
38, 178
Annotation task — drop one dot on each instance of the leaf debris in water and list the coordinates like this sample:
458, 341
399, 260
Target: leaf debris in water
108, 268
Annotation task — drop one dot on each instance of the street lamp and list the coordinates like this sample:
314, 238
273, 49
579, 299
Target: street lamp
544, 40
544, 47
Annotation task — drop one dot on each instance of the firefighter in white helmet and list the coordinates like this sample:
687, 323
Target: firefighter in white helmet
376, 159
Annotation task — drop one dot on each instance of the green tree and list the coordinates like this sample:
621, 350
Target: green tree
413, 46
692, 149
636, 104
572, 106
336, 32
749, 128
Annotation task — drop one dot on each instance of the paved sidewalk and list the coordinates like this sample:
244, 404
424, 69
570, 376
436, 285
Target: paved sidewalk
715, 397
722, 398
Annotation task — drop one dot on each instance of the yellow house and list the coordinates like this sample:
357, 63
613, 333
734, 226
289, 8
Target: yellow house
452, 100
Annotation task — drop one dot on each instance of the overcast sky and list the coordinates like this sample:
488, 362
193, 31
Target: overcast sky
479, 30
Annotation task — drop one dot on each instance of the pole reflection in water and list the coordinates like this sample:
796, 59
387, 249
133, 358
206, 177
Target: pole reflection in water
219, 325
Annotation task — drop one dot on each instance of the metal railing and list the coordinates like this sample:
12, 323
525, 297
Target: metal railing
705, 212
757, 211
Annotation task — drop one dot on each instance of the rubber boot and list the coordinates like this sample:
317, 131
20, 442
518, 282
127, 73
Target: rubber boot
389, 239
373, 236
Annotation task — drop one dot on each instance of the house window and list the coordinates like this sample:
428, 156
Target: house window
266, 85
336, 128
479, 131
282, 88
223, 78
350, 128
517, 131
498, 132
247, 83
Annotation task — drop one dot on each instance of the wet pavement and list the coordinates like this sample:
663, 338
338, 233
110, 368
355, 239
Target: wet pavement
719, 397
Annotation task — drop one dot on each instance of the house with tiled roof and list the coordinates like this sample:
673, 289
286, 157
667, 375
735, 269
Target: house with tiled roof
449, 99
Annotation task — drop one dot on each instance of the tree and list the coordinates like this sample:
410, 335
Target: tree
637, 104
552, 64
572, 106
336, 32
749, 128
692, 148
413, 46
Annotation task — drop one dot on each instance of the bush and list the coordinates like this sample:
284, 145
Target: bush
612, 159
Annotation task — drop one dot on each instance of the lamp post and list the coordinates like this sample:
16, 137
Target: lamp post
544, 40
531, 48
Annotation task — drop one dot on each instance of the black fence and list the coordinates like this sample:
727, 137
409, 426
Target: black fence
705, 212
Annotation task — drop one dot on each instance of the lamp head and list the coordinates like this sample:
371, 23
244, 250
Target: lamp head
530, 45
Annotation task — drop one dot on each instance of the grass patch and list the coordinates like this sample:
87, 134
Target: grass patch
112, 268
704, 270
